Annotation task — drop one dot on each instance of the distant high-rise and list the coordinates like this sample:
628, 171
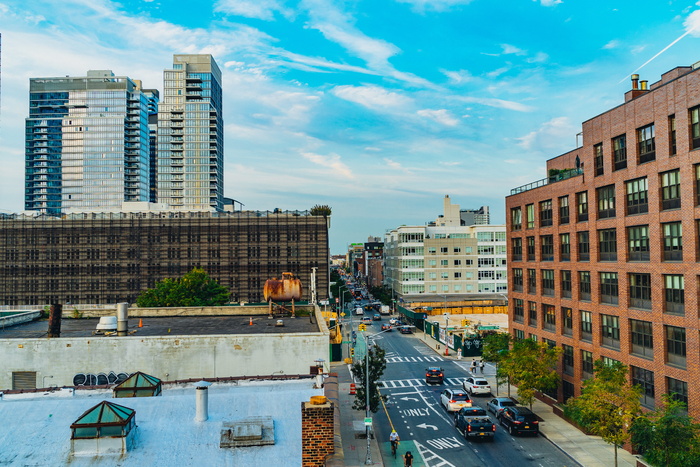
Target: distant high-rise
479, 216
152, 97
86, 142
190, 135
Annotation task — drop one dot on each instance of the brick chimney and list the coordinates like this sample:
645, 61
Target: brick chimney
317, 436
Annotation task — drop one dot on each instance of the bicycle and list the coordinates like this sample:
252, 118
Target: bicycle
394, 446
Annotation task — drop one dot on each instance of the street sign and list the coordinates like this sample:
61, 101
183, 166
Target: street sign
368, 421
342, 313
346, 342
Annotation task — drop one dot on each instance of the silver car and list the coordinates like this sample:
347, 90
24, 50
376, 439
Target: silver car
497, 404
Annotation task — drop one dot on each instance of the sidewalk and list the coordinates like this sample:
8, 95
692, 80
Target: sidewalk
587, 450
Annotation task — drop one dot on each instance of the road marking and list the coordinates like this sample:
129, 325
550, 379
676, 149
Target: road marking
406, 383
426, 358
444, 443
409, 399
418, 412
428, 456
424, 426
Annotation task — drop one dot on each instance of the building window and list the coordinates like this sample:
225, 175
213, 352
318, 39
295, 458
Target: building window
695, 127
675, 346
598, 159
532, 281
584, 247
548, 282
563, 210
532, 319
567, 390
672, 135
568, 359
584, 285
607, 245
645, 380
547, 247
673, 241
608, 288
518, 311
530, 216
610, 331
619, 145
640, 291
516, 219
606, 202
586, 326
638, 243
586, 364
642, 338
517, 249
519, 335
567, 319
697, 184
637, 196
546, 213
582, 206
565, 247
530, 248
674, 294
517, 279
550, 317
645, 143
670, 190
566, 284
678, 390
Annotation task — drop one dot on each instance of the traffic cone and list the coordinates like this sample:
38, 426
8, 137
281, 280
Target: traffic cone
352, 389
140, 322
251, 321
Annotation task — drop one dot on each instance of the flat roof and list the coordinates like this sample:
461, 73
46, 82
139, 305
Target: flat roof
168, 326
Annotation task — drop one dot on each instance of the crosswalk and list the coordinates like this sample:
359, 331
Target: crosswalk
413, 383
425, 358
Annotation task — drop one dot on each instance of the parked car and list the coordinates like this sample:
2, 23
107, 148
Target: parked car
405, 330
366, 320
476, 386
519, 419
377, 317
386, 327
454, 399
497, 404
474, 422
434, 375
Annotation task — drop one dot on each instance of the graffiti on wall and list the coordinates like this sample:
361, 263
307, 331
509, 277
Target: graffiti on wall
90, 379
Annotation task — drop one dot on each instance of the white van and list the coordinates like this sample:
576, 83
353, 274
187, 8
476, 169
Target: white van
359, 311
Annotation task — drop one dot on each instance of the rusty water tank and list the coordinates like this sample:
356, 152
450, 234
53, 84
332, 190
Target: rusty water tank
283, 290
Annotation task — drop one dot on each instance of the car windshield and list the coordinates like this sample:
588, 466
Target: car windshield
460, 397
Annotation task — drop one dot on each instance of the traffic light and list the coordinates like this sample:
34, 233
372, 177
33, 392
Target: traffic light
352, 352
362, 327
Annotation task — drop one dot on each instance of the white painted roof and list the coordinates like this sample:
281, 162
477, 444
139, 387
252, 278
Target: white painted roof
35, 430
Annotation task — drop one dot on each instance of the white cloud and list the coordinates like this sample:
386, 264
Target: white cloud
372, 97
549, 2
613, 44
396, 166
331, 161
434, 5
692, 23
548, 136
539, 57
638, 49
260, 9
498, 103
458, 77
441, 116
511, 49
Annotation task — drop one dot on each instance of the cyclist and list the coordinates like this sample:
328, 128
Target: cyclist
408, 459
394, 438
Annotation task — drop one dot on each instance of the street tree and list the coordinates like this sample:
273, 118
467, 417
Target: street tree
608, 404
496, 348
531, 366
667, 436
377, 365
195, 288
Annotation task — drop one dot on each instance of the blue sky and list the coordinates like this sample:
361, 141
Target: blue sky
376, 108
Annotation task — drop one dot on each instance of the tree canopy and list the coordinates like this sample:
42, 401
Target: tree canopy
320, 210
531, 366
195, 288
377, 365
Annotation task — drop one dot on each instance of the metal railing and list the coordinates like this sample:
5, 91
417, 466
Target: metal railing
546, 181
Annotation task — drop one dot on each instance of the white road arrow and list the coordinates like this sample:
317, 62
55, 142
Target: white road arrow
408, 399
423, 425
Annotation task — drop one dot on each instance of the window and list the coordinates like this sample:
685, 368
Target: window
671, 190
645, 144
598, 159
620, 152
607, 245
548, 282
638, 243
697, 184
444, 262
532, 320
584, 285
695, 127
564, 247
606, 202
640, 291
532, 281
567, 320
568, 359
567, 390
645, 380
586, 326
518, 311
550, 317
519, 335
564, 210
443, 250
584, 252
672, 135
678, 390
456, 250
582, 206
566, 284
547, 247
673, 241
675, 346
517, 249
674, 294
642, 338
530, 216
637, 196
517, 279
610, 331
586, 364
516, 219
608, 288
546, 213
531, 248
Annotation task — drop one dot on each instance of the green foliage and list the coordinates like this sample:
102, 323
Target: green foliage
377, 365
320, 210
531, 366
608, 404
77, 314
667, 436
382, 294
496, 347
195, 288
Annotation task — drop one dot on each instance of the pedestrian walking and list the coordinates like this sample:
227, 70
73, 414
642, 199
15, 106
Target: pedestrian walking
408, 459
481, 367
473, 368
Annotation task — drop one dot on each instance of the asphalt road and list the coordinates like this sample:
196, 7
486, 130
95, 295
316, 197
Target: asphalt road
417, 415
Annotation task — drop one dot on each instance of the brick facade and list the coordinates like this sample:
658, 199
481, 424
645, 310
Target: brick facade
317, 433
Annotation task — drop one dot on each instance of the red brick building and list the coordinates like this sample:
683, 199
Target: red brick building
603, 254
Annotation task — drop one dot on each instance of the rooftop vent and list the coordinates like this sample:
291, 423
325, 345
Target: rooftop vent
107, 324
253, 431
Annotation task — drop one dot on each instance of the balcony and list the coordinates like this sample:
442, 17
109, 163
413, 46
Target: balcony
564, 175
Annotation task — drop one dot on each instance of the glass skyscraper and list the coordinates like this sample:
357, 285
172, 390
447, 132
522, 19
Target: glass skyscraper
87, 142
190, 135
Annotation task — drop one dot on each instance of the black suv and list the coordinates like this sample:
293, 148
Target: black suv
519, 420
434, 375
